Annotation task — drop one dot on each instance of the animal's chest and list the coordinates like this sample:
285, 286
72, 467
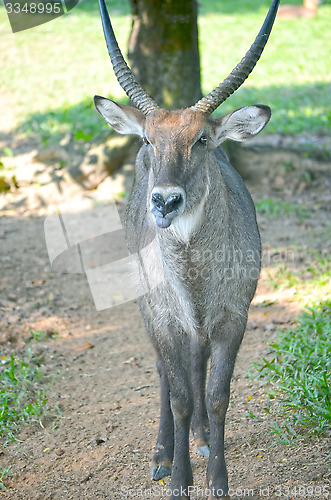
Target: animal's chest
180, 298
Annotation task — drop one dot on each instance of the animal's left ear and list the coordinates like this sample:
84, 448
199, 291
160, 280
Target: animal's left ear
241, 124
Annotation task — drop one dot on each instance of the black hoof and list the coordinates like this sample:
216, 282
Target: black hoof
159, 472
203, 450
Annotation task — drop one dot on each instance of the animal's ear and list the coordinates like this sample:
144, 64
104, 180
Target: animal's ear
241, 124
124, 119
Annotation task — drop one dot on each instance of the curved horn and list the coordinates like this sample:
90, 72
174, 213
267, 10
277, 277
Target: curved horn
238, 75
122, 71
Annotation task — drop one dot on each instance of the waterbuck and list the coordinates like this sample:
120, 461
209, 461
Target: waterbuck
206, 255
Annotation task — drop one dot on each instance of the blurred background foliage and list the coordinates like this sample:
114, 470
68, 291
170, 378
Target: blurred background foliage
49, 74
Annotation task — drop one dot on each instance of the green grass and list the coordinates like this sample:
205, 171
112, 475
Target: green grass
3, 474
293, 75
50, 73
23, 399
298, 369
314, 275
272, 208
21, 395
38, 335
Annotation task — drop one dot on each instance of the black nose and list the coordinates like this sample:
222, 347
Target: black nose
166, 206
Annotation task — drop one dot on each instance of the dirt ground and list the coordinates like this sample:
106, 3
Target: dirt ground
102, 363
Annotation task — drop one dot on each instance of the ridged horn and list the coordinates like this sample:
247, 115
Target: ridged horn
123, 73
238, 75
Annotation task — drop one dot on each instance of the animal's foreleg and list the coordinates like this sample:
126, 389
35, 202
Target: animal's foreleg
200, 422
181, 401
164, 450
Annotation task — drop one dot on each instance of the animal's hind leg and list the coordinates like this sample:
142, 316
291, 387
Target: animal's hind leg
164, 450
200, 421
224, 348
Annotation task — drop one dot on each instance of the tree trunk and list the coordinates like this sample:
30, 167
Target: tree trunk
163, 50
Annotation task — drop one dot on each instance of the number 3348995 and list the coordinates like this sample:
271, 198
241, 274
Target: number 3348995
34, 8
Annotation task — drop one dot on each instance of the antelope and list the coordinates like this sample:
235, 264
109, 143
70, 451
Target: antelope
207, 250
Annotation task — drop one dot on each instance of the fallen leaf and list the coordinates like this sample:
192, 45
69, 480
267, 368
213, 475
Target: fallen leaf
128, 361
84, 346
4, 359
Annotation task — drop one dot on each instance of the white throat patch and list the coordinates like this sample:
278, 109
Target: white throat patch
184, 226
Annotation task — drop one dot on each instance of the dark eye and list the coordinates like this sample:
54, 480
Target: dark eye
146, 141
203, 140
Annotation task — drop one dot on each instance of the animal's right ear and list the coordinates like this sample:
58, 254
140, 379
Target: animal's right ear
124, 119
